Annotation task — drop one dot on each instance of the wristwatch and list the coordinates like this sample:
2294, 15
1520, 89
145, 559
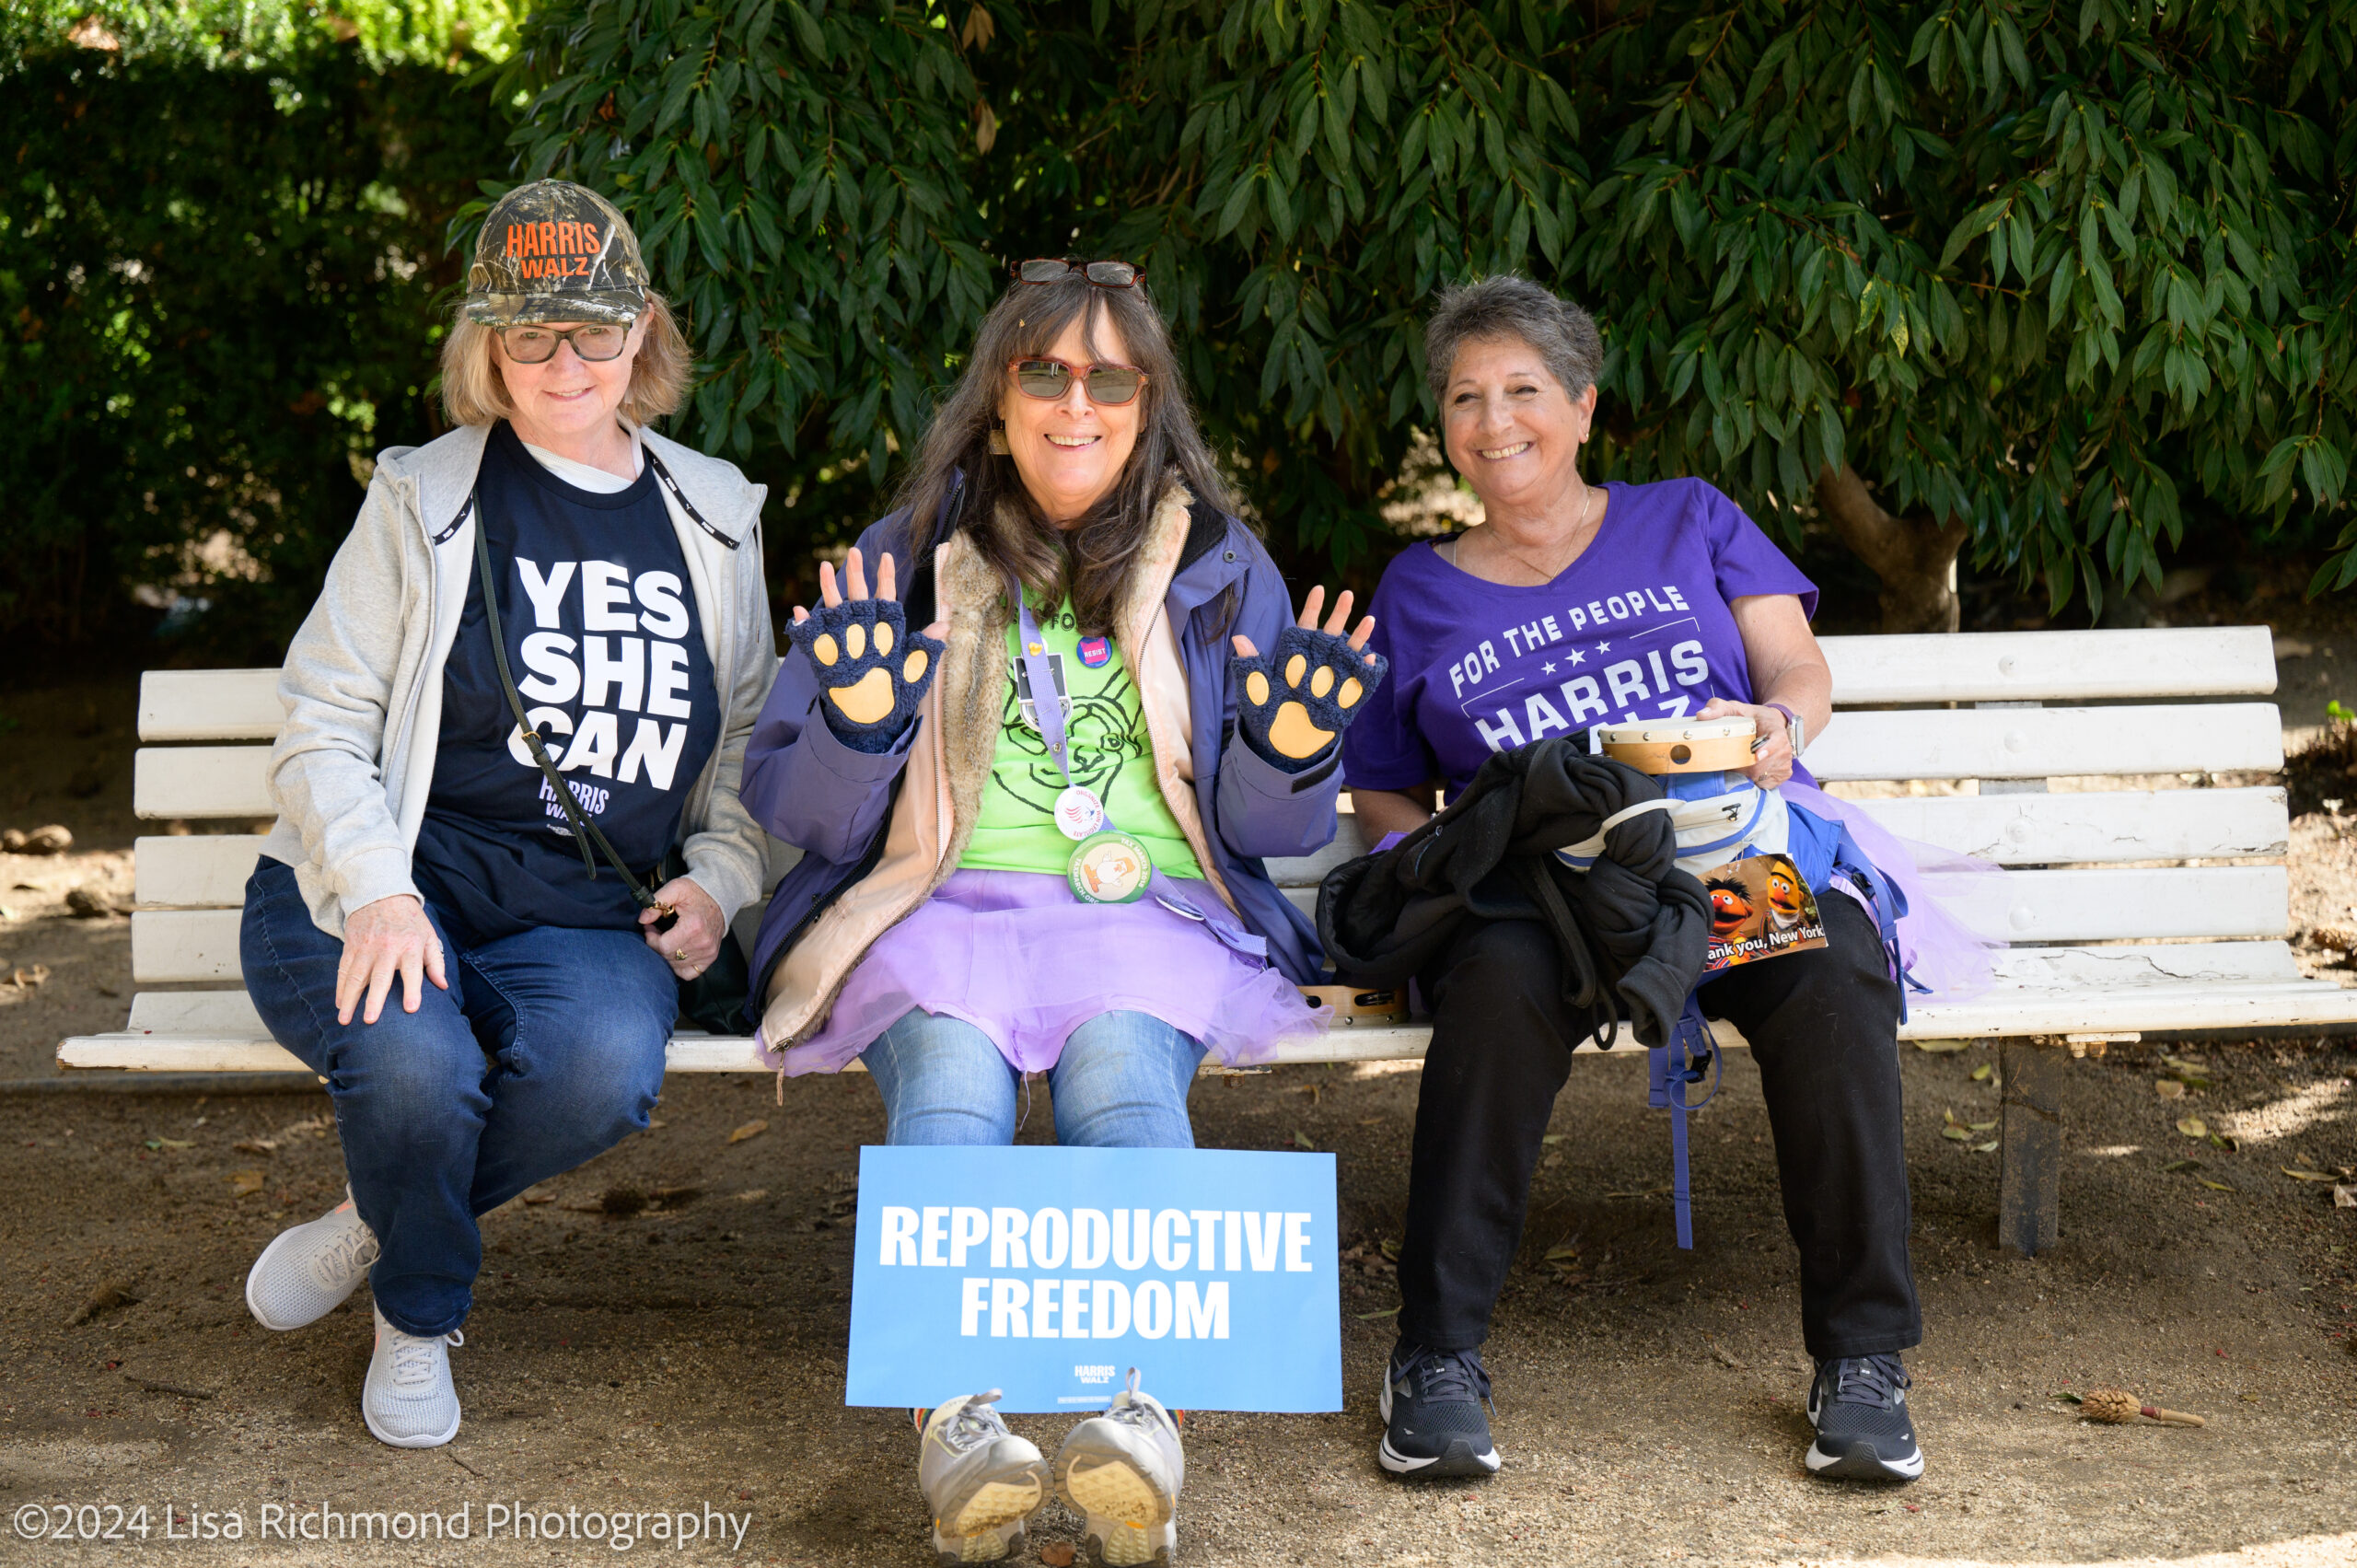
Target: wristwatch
1794, 727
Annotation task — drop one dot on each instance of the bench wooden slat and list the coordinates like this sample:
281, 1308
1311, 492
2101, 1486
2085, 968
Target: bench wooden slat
2037, 743
2202, 661
198, 871
2016, 830
171, 947
201, 782
2157, 967
2108, 904
2095, 827
209, 704
2003, 1012
2069, 667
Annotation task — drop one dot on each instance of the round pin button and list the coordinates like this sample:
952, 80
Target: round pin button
1078, 813
1110, 868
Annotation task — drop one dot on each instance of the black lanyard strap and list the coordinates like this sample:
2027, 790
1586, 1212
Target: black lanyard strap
585, 831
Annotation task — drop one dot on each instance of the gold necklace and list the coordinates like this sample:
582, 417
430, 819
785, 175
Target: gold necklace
1579, 541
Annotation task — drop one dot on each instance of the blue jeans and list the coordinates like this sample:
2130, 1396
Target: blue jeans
1121, 1084
546, 1051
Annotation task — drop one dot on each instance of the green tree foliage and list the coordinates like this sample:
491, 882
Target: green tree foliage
2050, 273
2043, 276
797, 172
220, 244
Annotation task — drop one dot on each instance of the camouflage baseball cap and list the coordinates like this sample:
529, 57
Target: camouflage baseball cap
555, 251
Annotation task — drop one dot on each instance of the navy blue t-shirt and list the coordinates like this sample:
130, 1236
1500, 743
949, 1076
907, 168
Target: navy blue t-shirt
603, 639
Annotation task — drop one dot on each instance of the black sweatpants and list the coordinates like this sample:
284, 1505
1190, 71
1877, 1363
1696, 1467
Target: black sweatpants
1823, 1027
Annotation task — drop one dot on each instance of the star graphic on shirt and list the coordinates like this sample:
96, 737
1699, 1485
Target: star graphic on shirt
1547, 669
1577, 658
1604, 647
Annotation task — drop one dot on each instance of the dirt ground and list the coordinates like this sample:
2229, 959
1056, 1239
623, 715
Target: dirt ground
1648, 1401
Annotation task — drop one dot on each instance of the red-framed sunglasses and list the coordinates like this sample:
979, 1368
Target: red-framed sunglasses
1050, 269
1049, 379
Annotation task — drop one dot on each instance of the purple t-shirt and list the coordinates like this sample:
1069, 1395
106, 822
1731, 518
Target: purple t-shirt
1637, 628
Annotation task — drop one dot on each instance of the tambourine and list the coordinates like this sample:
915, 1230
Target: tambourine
1357, 1007
1681, 746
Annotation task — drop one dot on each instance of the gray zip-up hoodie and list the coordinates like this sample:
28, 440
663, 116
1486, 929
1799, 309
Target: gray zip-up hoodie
363, 679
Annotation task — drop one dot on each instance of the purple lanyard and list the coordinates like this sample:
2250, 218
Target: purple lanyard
1048, 708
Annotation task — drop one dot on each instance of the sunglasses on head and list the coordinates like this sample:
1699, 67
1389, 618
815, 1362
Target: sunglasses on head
1049, 379
1048, 269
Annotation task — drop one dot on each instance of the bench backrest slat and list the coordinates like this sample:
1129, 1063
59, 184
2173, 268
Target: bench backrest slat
2053, 667
1981, 667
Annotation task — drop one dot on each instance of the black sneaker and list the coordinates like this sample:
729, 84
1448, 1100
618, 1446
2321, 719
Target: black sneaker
1858, 1405
1432, 1411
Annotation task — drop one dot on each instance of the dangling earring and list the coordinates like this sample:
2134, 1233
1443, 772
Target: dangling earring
999, 449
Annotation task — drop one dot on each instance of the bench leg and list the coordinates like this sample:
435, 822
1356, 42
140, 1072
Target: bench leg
2027, 1202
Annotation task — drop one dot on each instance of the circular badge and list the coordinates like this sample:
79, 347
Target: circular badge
1078, 813
1109, 868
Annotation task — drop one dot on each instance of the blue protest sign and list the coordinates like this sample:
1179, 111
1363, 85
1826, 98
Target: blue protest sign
1049, 1272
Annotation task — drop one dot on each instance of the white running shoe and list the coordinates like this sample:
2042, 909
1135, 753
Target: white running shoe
305, 1271
1123, 1471
980, 1481
407, 1401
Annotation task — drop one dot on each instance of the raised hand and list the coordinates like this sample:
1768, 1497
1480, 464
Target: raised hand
872, 671
1292, 704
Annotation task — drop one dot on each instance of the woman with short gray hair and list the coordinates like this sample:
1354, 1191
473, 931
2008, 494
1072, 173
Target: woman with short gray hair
1571, 605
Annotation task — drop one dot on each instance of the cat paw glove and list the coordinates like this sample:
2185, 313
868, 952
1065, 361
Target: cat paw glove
1292, 702
872, 670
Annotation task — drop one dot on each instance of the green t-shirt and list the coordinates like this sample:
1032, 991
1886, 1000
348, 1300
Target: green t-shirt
1110, 755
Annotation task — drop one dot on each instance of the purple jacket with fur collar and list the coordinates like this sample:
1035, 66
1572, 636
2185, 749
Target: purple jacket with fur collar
834, 803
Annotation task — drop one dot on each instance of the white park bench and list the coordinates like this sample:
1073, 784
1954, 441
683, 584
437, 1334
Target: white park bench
2105, 944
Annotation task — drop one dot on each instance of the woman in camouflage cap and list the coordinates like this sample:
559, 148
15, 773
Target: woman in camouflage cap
516, 718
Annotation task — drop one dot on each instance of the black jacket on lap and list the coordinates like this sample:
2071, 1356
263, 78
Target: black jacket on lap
1633, 929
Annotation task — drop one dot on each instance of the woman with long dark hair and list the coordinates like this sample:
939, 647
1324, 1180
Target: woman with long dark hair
1032, 832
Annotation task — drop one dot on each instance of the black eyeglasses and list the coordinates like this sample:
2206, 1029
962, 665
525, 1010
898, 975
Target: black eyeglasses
1104, 274
595, 342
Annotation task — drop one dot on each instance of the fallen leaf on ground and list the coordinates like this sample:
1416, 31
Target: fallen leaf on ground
2182, 1164
752, 1194
1980, 1126
1301, 1140
113, 1294
2221, 1141
2344, 1198
1389, 1248
1552, 1138
1956, 1130
1980, 1074
1386, 1312
2215, 1186
1726, 1357
1556, 1253
1942, 1045
2307, 1175
2193, 1126
2169, 1088
1987, 1148
751, 1130
245, 1183
2184, 1064
174, 1142
537, 1198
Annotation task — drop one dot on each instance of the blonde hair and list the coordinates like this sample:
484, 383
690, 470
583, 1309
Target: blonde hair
474, 392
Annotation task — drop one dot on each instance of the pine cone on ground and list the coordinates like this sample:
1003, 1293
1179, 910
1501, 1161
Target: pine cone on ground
2110, 1406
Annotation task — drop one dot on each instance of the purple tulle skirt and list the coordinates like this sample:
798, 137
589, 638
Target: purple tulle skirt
1015, 954
1938, 949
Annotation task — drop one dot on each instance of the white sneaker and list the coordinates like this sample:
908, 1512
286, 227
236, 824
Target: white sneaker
980, 1481
306, 1272
407, 1401
1123, 1471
